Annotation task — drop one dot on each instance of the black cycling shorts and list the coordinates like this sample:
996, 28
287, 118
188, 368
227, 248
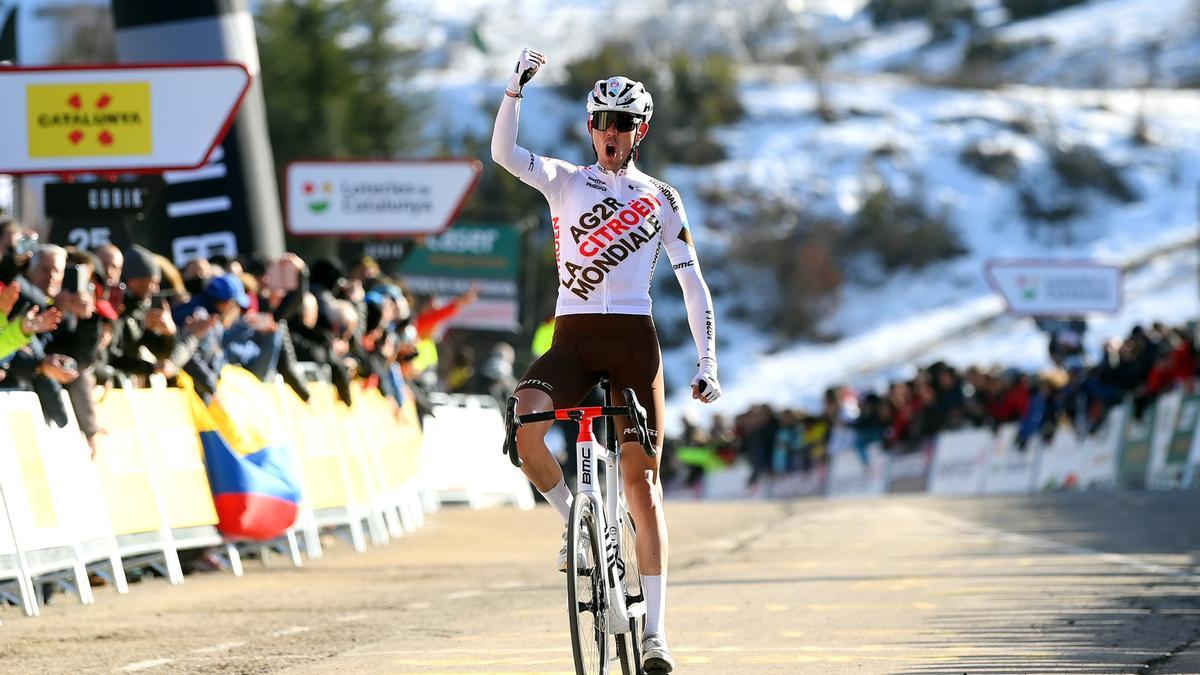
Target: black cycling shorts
586, 347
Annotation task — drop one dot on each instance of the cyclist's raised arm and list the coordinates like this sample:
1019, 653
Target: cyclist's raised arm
677, 237
542, 173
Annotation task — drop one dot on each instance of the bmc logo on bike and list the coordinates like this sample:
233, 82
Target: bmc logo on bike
585, 467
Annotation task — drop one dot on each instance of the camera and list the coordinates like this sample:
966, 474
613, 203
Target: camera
26, 244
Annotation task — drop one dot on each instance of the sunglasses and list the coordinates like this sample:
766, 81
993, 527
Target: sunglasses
601, 119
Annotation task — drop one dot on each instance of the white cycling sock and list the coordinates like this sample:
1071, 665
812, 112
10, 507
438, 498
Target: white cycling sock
559, 497
655, 588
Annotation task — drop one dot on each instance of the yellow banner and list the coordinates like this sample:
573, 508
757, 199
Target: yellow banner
28, 443
83, 120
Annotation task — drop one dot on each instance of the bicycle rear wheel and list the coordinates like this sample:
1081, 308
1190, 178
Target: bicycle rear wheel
629, 646
586, 592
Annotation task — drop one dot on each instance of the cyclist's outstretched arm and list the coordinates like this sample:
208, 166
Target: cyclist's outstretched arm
677, 237
542, 173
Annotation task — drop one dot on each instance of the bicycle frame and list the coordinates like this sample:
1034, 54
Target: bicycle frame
589, 455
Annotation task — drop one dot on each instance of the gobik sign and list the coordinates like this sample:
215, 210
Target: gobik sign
116, 118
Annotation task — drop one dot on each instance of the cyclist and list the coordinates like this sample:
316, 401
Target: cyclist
609, 219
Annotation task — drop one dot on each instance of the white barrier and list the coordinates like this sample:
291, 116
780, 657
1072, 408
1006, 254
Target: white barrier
462, 455
849, 477
1101, 450
45, 542
1159, 476
1009, 469
910, 472
1060, 464
958, 461
72, 470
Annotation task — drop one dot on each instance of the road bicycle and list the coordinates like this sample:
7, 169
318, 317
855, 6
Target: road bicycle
604, 593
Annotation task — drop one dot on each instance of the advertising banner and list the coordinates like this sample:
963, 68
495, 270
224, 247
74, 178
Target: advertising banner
401, 198
910, 473
1056, 287
486, 256
1100, 450
849, 477
958, 461
1174, 430
799, 484
1134, 458
1009, 469
1060, 463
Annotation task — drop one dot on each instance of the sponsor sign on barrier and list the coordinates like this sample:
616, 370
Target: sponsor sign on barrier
1060, 463
174, 455
1182, 445
1159, 475
910, 472
958, 461
799, 484
1134, 456
849, 477
1101, 449
121, 462
1009, 469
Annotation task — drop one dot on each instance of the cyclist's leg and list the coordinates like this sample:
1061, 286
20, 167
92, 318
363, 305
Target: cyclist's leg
640, 475
643, 493
555, 379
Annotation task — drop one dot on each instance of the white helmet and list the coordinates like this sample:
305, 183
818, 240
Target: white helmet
621, 94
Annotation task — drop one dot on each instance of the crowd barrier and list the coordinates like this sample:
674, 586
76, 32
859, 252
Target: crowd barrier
1158, 450
463, 456
146, 495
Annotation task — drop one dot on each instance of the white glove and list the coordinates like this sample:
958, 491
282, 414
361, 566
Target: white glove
527, 66
705, 385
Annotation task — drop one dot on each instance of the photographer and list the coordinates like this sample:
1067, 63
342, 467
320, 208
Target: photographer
79, 336
145, 321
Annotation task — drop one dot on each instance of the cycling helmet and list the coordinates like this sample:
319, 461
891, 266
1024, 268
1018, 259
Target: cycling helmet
621, 94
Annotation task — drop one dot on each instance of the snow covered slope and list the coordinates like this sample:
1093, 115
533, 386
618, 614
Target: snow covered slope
891, 131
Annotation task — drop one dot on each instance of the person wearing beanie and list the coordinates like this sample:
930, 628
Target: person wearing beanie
142, 323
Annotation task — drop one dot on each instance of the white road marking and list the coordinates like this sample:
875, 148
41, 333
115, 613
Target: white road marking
294, 630
347, 618
145, 665
222, 647
1039, 542
464, 594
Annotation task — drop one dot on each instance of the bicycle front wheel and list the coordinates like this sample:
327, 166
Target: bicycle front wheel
586, 592
629, 644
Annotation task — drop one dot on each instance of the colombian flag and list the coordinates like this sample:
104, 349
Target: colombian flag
254, 485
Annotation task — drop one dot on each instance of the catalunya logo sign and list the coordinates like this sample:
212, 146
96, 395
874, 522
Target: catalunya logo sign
134, 118
77, 120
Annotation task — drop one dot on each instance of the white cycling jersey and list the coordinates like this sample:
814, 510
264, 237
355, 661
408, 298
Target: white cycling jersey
607, 231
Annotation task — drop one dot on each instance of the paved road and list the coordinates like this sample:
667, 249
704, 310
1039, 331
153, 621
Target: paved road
1084, 583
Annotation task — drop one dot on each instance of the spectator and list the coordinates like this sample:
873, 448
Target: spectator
79, 337
144, 320
495, 376
32, 368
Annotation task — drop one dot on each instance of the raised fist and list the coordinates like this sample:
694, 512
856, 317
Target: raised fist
527, 66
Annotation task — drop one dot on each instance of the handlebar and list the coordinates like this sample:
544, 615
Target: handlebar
632, 409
